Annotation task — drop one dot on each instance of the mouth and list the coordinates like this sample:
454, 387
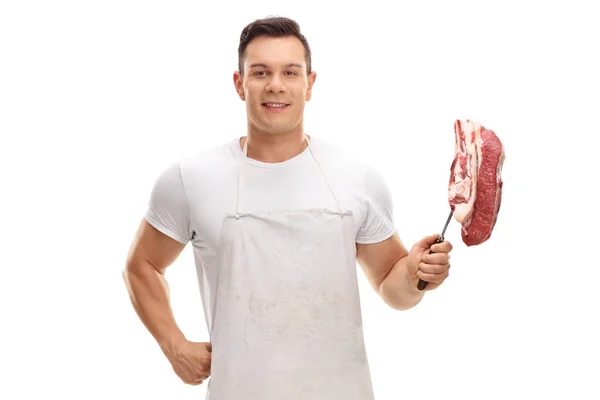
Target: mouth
275, 107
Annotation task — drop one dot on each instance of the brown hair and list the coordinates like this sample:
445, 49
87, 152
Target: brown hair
273, 27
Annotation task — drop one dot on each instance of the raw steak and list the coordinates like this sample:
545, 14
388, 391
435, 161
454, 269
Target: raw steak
475, 188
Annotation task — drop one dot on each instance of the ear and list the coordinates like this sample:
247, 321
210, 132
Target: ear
311, 81
238, 81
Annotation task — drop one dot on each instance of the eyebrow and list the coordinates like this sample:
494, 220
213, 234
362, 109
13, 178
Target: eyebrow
265, 65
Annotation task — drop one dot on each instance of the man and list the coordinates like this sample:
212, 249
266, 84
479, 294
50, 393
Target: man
277, 220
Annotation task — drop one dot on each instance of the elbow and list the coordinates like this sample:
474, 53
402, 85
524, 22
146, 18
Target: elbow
130, 272
138, 270
127, 270
399, 304
397, 293
126, 276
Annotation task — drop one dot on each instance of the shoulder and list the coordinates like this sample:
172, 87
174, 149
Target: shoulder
335, 156
364, 184
195, 165
210, 161
333, 151
347, 165
216, 156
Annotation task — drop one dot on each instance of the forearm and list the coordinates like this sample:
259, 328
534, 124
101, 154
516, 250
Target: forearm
149, 295
397, 290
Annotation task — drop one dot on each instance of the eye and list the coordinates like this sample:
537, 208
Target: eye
291, 73
259, 73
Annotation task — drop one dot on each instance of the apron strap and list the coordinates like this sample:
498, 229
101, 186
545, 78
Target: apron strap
242, 166
337, 201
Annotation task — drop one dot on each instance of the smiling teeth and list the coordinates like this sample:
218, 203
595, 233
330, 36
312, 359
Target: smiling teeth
275, 105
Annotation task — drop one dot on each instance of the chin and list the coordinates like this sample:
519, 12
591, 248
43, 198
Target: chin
281, 131
277, 129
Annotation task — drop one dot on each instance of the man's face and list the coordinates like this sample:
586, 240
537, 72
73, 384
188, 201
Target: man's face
275, 85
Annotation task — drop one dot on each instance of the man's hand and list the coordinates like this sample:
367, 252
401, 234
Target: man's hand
191, 361
431, 267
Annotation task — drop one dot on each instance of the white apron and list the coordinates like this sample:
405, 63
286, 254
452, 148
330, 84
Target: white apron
286, 322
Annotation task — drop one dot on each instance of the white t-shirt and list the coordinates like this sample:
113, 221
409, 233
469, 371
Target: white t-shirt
190, 198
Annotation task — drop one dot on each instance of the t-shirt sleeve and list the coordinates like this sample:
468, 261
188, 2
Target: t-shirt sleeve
168, 208
378, 223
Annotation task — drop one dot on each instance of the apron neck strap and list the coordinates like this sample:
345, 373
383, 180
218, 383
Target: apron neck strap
242, 167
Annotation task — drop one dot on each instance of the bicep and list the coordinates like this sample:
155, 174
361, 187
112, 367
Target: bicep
154, 247
378, 259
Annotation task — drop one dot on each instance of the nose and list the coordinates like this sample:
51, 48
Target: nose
274, 85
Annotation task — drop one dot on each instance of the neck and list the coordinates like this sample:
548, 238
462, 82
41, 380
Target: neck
271, 148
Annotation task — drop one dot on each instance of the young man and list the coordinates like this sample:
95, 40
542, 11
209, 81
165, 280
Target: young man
277, 221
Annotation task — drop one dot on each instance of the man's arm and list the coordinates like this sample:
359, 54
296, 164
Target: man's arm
149, 256
385, 266
394, 272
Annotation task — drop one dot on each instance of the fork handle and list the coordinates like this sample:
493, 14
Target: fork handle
422, 284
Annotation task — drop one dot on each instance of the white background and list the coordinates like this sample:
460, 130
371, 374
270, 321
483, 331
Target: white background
96, 98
